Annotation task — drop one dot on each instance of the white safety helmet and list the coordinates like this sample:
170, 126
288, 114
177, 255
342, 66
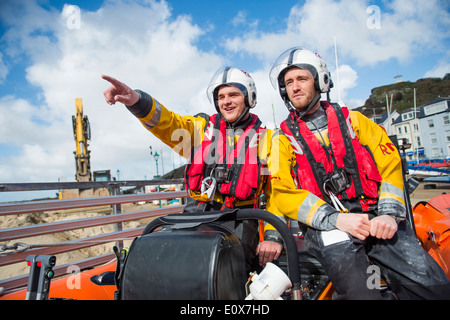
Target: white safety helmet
304, 59
236, 78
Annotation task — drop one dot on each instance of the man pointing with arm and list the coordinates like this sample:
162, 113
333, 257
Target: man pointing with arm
227, 151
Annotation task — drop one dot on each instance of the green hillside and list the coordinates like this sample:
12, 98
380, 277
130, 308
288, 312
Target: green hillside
427, 90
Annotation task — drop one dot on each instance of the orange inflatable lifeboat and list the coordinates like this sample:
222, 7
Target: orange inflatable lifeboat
86, 285
432, 224
432, 221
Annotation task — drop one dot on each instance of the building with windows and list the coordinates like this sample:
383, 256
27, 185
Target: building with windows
434, 123
407, 128
387, 121
426, 128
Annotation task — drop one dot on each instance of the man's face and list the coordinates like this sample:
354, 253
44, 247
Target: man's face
231, 103
300, 87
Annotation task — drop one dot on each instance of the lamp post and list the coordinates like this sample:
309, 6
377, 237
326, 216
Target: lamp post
117, 209
156, 157
157, 177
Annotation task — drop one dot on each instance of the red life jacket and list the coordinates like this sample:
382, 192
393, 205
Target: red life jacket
242, 161
345, 157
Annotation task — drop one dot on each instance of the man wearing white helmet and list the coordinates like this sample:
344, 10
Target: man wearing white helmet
227, 151
336, 178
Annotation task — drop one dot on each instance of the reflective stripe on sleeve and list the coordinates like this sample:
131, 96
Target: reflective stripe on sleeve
308, 208
390, 193
156, 117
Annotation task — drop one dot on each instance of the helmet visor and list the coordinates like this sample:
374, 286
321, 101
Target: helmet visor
218, 79
225, 77
289, 58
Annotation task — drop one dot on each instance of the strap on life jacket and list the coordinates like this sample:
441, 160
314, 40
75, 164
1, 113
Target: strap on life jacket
237, 169
317, 165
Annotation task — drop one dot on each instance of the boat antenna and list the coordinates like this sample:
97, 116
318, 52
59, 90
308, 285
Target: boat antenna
337, 71
273, 114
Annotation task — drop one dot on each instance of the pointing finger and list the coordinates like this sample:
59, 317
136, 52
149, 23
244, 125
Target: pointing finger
113, 81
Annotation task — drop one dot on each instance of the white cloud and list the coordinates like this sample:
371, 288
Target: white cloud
347, 79
239, 19
401, 31
242, 21
405, 29
44, 147
439, 71
31, 26
143, 45
3, 69
140, 44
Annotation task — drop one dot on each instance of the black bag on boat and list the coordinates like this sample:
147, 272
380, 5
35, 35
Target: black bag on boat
185, 262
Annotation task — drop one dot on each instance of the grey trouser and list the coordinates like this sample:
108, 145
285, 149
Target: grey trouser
352, 265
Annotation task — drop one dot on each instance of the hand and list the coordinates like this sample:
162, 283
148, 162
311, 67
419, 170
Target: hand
383, 227
358, 225
119, 92
268, 251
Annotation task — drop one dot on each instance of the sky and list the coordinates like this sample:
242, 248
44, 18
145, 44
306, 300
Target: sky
52, 52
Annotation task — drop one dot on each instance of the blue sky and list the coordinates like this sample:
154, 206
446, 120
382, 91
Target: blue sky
50, 54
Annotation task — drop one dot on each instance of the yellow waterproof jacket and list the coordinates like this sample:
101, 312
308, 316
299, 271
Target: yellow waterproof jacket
183, 133
284, 199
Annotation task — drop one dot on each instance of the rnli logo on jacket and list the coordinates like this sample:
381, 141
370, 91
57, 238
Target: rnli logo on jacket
350, 127
209, 131
387, 148
254, 143
295, 145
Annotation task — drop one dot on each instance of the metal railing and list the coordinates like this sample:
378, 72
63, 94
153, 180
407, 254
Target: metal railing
16, 253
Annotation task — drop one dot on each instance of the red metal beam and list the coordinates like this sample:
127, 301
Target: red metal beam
54, 227
8, 187
70, 246
48, 228
40, 206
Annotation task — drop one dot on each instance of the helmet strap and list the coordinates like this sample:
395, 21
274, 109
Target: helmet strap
233, 124
300, 114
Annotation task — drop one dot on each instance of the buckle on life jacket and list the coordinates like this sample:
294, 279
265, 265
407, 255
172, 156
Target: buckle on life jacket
338, 182
223, 174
